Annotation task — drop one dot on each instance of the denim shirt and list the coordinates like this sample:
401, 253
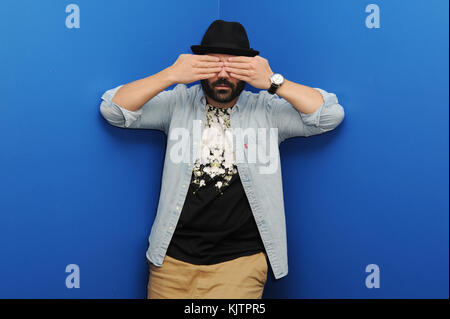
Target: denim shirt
261, 122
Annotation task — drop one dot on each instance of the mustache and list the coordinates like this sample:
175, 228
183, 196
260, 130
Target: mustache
223, 83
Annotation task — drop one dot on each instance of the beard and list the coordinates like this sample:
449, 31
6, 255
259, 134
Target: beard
222, 96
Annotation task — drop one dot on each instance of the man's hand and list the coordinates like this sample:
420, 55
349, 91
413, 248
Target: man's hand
253, 70
193, 67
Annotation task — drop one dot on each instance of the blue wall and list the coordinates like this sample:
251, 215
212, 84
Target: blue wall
75, 190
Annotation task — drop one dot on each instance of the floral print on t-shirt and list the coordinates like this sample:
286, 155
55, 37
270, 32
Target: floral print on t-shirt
216, 162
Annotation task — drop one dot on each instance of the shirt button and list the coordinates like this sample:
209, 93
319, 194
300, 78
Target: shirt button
170, 228
184, 185
178, 207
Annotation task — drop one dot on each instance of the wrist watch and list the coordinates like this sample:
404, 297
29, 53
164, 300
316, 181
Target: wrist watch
277, 80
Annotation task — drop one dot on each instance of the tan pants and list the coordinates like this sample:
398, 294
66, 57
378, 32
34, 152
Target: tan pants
240, 278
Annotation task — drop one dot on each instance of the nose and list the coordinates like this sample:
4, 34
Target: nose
223, 73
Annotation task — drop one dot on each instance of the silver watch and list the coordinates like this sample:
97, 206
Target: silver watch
277, 80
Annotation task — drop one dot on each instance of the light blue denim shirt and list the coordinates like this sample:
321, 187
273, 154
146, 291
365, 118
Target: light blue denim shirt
265, 120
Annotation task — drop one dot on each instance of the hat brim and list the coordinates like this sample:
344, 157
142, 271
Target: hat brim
202, 49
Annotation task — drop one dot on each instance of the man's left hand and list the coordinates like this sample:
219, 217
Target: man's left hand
253, 70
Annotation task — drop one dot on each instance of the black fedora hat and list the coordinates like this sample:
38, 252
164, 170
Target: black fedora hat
225, 37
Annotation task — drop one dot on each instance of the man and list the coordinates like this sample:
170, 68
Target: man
221, 210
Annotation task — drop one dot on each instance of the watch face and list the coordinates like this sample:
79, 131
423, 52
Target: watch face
277, 78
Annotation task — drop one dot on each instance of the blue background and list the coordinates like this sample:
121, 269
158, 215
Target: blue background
76, 190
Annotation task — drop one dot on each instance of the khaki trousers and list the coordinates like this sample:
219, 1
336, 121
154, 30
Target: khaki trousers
240, 278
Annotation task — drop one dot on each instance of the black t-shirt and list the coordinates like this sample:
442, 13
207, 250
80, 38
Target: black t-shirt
216, 223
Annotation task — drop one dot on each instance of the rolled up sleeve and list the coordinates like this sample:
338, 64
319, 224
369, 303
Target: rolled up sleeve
154, 114
115, 114
292, 123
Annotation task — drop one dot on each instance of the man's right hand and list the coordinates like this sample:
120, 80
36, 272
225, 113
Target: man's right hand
193, 67
186, 69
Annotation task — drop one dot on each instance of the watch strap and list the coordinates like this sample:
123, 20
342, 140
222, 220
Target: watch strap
273, 88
